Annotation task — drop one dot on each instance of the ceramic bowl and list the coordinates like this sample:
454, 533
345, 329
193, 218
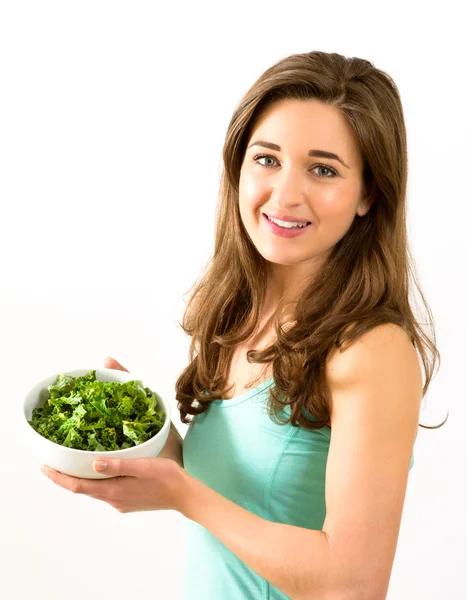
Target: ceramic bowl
78, 463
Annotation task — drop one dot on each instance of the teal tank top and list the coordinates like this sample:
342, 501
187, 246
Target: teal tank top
275, 471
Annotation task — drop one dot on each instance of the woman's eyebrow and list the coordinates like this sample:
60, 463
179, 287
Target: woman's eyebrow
318, 153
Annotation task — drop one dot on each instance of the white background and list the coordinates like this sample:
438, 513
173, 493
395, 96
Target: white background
112, 120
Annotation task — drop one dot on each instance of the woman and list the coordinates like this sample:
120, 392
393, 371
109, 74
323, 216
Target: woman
304, 373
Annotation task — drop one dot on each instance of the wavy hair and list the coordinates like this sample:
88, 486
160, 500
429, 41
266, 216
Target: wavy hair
365, 281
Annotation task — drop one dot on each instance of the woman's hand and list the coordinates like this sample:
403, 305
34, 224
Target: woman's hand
173, 447
140, 483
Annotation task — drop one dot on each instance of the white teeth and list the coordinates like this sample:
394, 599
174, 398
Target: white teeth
287, 224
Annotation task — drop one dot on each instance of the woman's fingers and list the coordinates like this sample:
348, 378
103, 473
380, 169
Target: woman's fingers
89, 487
111, 363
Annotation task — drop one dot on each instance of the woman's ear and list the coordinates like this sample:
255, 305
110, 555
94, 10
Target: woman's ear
364, 206
368, 196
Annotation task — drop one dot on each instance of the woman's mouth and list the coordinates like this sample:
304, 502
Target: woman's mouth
285, 229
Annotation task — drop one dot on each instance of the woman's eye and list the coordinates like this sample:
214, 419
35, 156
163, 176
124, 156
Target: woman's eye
266, 158
328, 169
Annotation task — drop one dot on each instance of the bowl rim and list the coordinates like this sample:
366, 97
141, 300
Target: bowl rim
131, 450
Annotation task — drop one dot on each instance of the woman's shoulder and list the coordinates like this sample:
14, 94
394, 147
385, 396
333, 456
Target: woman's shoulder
343, 364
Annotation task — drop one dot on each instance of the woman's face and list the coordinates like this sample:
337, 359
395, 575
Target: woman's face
283, 176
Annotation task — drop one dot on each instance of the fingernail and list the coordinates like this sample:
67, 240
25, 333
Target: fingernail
100, 465
44, 469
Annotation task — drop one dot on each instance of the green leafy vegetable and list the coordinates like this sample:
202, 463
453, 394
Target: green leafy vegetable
88, 414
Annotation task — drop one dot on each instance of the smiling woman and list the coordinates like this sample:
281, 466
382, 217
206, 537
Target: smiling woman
337, 159
304, 377
305, 351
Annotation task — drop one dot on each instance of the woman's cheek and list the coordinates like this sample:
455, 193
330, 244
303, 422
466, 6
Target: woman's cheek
253, 193
336, 211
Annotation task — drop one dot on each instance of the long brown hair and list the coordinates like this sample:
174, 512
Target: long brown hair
365, 281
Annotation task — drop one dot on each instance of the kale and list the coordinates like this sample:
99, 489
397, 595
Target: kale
88, 414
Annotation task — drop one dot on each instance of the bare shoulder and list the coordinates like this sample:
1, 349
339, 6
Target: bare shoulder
385, 347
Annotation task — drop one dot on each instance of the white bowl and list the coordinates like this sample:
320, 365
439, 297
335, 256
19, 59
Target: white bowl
78, 463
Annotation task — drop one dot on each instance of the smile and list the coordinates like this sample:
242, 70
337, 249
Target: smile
287, 224
285, 229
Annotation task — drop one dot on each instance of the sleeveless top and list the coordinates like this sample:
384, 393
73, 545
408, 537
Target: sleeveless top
275, 471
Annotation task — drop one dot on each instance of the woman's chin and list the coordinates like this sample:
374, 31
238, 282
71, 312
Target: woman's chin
282, 259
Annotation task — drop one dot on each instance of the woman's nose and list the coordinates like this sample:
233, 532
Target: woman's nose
290, 189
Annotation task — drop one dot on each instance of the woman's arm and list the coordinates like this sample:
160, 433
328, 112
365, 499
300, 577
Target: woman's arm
376, 394
281, 554
173, 447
